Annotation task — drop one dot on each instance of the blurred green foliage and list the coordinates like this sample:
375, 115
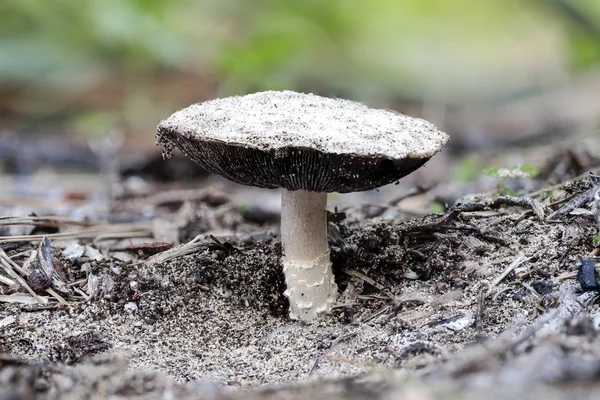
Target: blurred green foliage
467, 169
426, 49
505, 174
432, 48
517, 171
437, 208
583, 29
40, 38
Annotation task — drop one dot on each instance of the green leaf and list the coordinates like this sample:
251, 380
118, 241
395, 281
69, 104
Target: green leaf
530, 171
491, 171
438, 208
517, 171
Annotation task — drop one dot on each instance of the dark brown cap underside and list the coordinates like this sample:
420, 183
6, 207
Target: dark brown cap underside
292, 168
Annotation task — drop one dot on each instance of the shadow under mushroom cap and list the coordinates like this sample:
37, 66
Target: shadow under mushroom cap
292, 168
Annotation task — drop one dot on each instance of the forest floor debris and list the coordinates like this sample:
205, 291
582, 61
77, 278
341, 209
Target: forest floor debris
442, 306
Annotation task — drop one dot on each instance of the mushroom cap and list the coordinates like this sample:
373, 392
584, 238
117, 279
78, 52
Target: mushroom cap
301, 141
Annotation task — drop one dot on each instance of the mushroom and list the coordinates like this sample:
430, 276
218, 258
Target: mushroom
309, 146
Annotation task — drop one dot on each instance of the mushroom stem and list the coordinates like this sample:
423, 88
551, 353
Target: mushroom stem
311, 287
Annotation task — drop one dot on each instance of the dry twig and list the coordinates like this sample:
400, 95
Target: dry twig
511, 267
96, 232
360, 275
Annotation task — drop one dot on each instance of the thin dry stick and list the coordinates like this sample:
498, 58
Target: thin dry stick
565, 276
17, 255
196, 244
57, 296
370, 281
182, 195
55, 221
80, 282
10, 263
82, 294
561, 184
533, 292
105, 231
7, 281
480, 307
516, 262
11, 267
6, 264
573, 274
580, 200
122, 235
22, 298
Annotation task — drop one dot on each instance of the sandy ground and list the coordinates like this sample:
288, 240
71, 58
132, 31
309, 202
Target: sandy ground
416, 296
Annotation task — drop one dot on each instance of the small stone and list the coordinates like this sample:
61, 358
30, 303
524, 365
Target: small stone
93, 253
73, 251
11, 319
131, 307
38, 280
459, 323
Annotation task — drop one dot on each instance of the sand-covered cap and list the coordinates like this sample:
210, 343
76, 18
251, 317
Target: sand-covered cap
301, 141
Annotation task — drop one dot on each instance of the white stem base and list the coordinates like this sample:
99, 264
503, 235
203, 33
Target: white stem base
311, 287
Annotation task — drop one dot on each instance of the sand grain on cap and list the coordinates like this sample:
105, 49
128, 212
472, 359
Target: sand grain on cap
272, 120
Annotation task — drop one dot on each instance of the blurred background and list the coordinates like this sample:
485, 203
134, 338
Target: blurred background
84, 83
